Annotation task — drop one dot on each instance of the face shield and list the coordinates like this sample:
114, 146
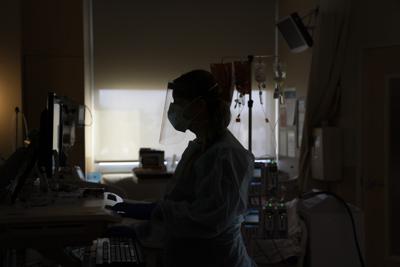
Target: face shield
180, 111
173, 111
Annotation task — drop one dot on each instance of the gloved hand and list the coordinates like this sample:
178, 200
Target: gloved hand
157, 213
140, 211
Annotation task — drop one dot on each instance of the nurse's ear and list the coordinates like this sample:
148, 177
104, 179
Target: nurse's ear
198, 110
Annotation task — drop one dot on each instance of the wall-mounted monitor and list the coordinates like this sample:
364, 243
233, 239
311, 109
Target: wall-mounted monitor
295, 33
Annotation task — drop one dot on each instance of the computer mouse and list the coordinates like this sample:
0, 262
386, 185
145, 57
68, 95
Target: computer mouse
110, 199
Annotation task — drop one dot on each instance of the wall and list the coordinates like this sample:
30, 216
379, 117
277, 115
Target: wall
10, 72
143, 45
376, 26
53, 59
372, 25
298, 64
297, 67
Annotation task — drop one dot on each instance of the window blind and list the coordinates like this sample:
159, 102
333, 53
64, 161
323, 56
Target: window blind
140, 46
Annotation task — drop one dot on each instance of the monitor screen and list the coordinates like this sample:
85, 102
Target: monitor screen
295, 33
56, 127
257, 172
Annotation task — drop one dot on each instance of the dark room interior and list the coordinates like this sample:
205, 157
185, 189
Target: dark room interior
84, 92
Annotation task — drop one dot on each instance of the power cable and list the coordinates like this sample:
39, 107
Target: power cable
91, 117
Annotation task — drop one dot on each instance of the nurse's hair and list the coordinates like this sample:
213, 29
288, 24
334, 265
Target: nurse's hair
201, 83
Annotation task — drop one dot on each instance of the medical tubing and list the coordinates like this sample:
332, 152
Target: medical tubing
313, 194
25, 125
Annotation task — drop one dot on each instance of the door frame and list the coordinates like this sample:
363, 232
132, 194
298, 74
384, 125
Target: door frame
387, 106
362, 183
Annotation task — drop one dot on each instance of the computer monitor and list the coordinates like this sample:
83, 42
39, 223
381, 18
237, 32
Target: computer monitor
58, 123
295, 33
46, 148
50, 135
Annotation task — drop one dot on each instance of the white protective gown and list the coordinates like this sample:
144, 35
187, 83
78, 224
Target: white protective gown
204, 207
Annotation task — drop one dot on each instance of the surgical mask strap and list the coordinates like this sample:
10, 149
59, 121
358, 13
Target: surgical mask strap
212, 87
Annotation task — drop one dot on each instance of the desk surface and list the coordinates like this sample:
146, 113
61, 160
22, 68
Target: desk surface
63, 223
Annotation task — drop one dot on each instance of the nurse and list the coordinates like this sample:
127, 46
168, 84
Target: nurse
203, 209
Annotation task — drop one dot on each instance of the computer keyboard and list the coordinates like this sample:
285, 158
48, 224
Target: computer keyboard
116, 251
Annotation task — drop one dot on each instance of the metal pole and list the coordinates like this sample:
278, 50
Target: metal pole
16, 126
276, 100
250, 102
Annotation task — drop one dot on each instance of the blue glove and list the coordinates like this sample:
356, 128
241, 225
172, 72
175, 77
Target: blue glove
140, 211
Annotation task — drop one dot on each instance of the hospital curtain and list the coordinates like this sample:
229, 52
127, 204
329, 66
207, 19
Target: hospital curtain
324, 89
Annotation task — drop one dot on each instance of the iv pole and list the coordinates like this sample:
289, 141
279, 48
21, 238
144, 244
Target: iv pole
250, 103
